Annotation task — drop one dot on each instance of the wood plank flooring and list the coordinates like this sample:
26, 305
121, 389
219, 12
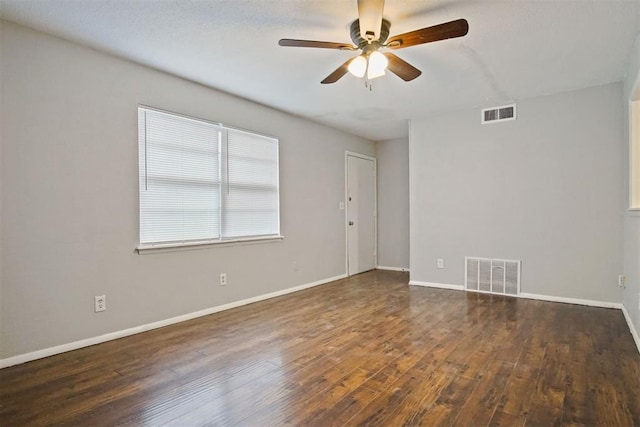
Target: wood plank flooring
368, 350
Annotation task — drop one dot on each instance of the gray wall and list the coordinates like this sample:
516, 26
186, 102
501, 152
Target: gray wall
1, 192
70, 198
393, 203
631, 294
544, 189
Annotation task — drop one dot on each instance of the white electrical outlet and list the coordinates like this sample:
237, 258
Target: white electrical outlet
100, 303
223, 279
440, 263
341, 206
621, 280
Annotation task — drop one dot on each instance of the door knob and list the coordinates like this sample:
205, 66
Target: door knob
350, 222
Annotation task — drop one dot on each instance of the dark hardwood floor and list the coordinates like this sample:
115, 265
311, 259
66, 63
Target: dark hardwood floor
368, 350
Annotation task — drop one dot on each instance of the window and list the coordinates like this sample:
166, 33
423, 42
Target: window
202, 182
634, 157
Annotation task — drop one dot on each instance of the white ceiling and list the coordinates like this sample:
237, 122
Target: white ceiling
515, 49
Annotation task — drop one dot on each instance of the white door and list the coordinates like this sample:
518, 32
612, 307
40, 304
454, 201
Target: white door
361, 213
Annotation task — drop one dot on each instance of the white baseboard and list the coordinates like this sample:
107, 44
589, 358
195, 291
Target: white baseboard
591, 303
384, 267
39, 354
632, 328
437, 285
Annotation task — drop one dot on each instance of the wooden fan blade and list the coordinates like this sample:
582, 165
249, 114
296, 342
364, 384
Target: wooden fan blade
337, 74
401, 68
315, 43
370, 17
448, 30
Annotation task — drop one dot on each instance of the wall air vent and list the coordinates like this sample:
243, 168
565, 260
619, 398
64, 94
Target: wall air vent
499, 114
494, 276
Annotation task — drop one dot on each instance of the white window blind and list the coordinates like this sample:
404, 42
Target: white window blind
250, 205
201, 182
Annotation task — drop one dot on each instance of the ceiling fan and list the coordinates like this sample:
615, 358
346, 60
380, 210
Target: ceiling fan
370, 33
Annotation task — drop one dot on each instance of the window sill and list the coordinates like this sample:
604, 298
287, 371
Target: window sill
173, 247
633, 211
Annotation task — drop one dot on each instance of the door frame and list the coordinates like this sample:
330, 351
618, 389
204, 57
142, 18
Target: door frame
348, 154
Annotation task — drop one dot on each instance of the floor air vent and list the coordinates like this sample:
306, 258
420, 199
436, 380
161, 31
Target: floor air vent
494, 276
499, 114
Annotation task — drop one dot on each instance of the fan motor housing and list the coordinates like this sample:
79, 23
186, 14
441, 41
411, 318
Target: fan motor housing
359, 41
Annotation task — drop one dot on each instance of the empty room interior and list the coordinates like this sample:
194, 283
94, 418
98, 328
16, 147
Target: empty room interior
314, 213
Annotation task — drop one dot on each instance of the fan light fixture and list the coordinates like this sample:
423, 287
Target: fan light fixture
377, 64
373, 65
358, 66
